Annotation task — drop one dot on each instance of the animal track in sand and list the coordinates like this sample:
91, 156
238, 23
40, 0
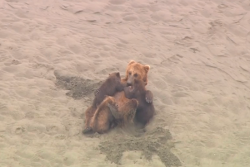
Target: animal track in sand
19, 130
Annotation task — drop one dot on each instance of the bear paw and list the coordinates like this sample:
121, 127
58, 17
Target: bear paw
149, 97
87, 130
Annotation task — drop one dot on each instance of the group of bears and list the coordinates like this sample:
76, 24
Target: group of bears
119, 101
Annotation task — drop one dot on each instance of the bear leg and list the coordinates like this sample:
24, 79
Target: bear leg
87, 130
89, 113
149, 96
102, 120
103, 123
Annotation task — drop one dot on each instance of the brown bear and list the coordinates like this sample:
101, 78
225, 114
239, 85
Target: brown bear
126, 109
108, 88
103, 120
109, 114
145, 110
139, 71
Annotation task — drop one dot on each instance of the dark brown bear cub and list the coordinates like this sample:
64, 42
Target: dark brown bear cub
109, 87
145, 110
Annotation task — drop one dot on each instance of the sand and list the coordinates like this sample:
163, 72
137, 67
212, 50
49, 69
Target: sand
54, 54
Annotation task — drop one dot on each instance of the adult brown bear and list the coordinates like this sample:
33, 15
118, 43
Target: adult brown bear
139, 71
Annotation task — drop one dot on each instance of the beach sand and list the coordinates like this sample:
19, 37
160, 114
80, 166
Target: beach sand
54, 54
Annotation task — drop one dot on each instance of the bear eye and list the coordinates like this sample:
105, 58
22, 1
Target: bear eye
135, 75
129, 73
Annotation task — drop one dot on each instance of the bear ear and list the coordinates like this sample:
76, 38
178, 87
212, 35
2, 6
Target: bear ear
131, 62
146, 67
118, 74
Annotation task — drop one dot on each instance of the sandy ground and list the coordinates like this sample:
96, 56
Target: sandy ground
54, 53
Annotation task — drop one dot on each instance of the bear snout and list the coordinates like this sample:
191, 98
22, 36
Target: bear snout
129, 83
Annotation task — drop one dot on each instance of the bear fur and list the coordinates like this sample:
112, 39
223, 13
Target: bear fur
109, 114
103, 120
126, 109
109, 87
145, 111
139, 71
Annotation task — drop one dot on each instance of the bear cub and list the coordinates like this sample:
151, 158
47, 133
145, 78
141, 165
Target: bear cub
145, 111
103, 120
109, 114
109, 87
126, 109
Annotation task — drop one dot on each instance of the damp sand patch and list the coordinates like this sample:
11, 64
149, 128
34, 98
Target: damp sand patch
155, 141
78, 87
